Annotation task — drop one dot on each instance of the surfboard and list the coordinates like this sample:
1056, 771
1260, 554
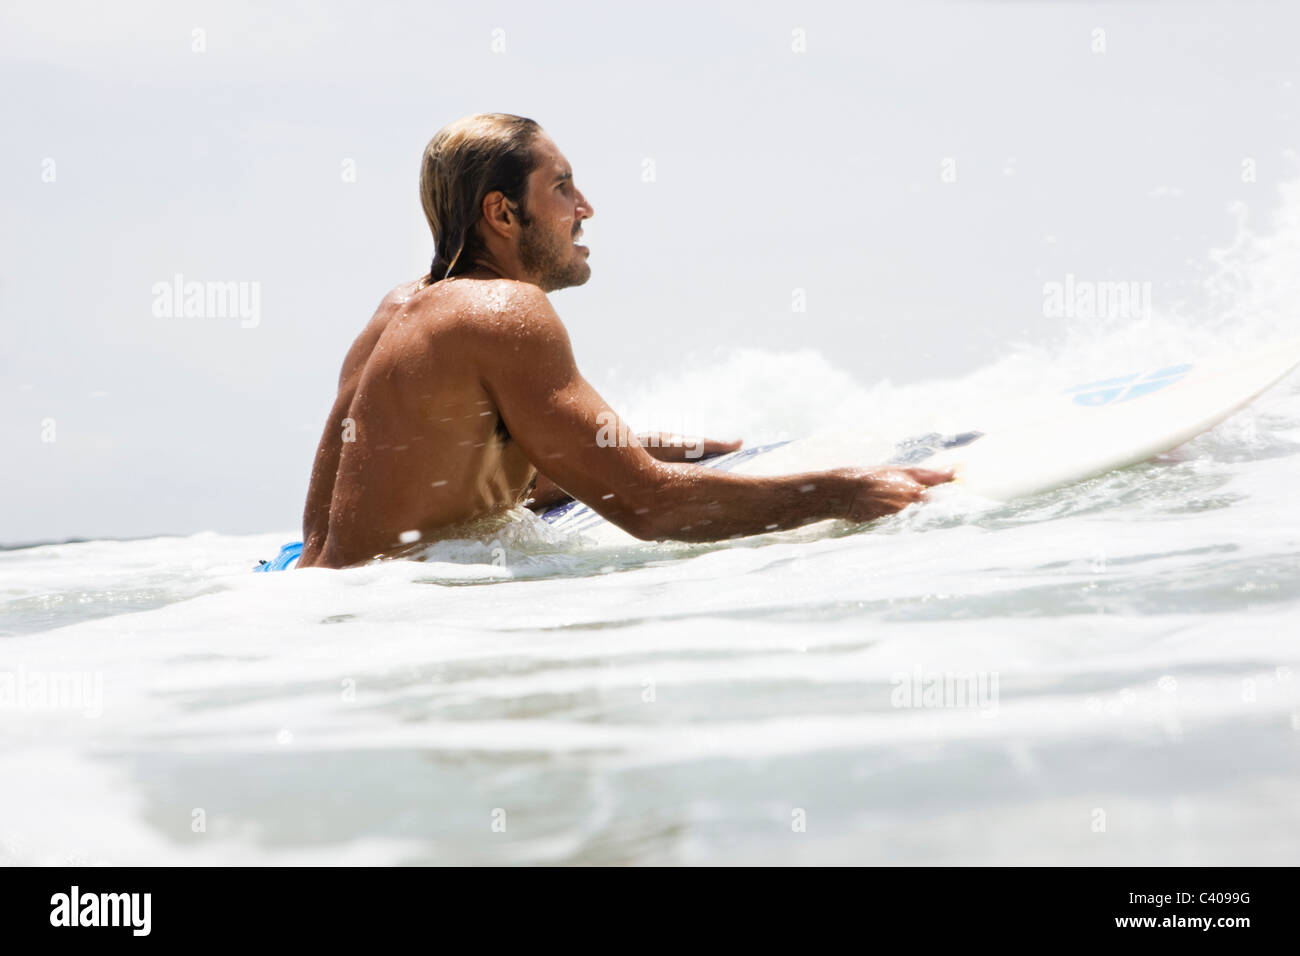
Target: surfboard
1057, 439
1112, 423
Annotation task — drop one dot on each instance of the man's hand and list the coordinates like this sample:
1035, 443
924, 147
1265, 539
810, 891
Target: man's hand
545, 495
666, 447
883, 491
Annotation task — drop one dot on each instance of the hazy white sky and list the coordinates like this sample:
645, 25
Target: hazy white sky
131, 156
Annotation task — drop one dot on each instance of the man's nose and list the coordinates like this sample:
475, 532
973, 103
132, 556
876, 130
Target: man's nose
585, 203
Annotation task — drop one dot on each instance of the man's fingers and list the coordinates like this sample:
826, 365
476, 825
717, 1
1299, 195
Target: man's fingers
893, 489
885, 508
928, 476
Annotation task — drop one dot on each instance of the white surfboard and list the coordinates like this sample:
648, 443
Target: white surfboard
1084, 431
1111, 423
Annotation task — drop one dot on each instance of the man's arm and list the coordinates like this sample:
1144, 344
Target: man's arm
546, 494
571, 435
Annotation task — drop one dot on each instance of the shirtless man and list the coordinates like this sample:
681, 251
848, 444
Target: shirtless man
462, 391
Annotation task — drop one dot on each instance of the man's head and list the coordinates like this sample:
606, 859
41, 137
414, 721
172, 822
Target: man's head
496, 189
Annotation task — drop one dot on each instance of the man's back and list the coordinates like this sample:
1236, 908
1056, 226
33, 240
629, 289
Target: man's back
413, 443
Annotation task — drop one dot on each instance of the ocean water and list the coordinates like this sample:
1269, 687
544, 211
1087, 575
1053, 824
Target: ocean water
1106, 673
1121, 658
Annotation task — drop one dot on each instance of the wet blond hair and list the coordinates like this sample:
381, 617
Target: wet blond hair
464, 162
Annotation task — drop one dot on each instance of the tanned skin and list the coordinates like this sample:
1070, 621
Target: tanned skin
459, 395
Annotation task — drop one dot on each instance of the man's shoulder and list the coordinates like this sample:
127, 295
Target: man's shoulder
402, 294
497, 296
497, 308
477, 313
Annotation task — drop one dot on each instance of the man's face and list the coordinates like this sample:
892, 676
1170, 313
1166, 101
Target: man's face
548, 245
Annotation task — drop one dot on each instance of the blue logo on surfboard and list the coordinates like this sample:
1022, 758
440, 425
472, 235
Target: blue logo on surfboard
1112, 391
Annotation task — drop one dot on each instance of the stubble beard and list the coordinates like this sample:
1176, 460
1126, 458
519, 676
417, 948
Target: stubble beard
556, 262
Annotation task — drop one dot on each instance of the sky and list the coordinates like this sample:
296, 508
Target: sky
891, 184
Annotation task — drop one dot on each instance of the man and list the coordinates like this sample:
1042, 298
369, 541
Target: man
462, 391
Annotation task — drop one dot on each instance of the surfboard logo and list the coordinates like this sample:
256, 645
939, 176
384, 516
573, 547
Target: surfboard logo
1112, 391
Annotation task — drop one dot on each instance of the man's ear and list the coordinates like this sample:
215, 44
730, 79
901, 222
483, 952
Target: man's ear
499, 214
